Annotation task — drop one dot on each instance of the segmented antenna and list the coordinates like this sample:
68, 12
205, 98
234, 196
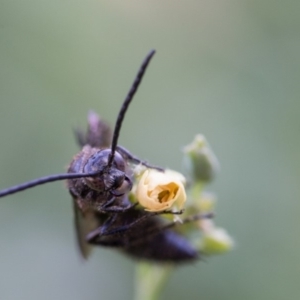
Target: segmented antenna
43, 180
126, 103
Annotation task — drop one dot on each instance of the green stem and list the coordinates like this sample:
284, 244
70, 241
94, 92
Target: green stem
150, 280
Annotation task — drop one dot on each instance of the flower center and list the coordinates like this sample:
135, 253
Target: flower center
163, 196
167, 193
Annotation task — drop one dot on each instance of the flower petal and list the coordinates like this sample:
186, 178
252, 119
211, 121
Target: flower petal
158, 191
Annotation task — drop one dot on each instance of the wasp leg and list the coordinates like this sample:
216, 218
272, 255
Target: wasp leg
102, 231
148, 238
117, 209
103, 208
127, 155
139, 220
112, 243
189, 220
107, 207
104, 235
159, 228
99, 231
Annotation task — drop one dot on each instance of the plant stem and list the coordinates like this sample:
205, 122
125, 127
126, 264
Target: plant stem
150, 279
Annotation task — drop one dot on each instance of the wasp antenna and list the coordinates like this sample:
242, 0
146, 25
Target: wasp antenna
126, 103
43, 180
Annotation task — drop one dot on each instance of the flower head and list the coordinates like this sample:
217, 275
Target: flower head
158, 191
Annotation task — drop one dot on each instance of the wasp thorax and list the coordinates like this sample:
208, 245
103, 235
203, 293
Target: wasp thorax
111, 177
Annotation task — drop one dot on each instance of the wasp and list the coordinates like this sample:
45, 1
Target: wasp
99, 179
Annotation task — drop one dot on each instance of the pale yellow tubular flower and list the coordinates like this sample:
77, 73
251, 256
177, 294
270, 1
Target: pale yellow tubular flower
157, 191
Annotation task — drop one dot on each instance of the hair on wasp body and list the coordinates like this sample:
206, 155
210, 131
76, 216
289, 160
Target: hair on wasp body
99, 179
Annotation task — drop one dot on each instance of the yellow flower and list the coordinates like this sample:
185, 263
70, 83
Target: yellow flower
158, 191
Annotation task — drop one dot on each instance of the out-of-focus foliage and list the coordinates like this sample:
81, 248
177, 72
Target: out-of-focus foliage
228, 69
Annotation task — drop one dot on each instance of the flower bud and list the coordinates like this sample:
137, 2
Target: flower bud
199, 160
205, 202
216, 241
158, 191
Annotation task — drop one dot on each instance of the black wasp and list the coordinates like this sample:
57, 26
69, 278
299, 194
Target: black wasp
99, 180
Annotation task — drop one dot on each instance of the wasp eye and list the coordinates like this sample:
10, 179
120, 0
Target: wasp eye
119, 162
99, 160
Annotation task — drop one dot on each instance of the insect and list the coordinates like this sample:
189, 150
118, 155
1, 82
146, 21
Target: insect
99, 180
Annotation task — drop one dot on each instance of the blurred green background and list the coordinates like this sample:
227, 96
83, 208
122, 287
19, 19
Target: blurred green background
227, 69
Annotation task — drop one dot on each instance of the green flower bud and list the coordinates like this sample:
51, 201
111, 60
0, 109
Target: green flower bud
216, 241
200, 161
206, 202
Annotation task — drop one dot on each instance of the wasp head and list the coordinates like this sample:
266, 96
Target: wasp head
112, 176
